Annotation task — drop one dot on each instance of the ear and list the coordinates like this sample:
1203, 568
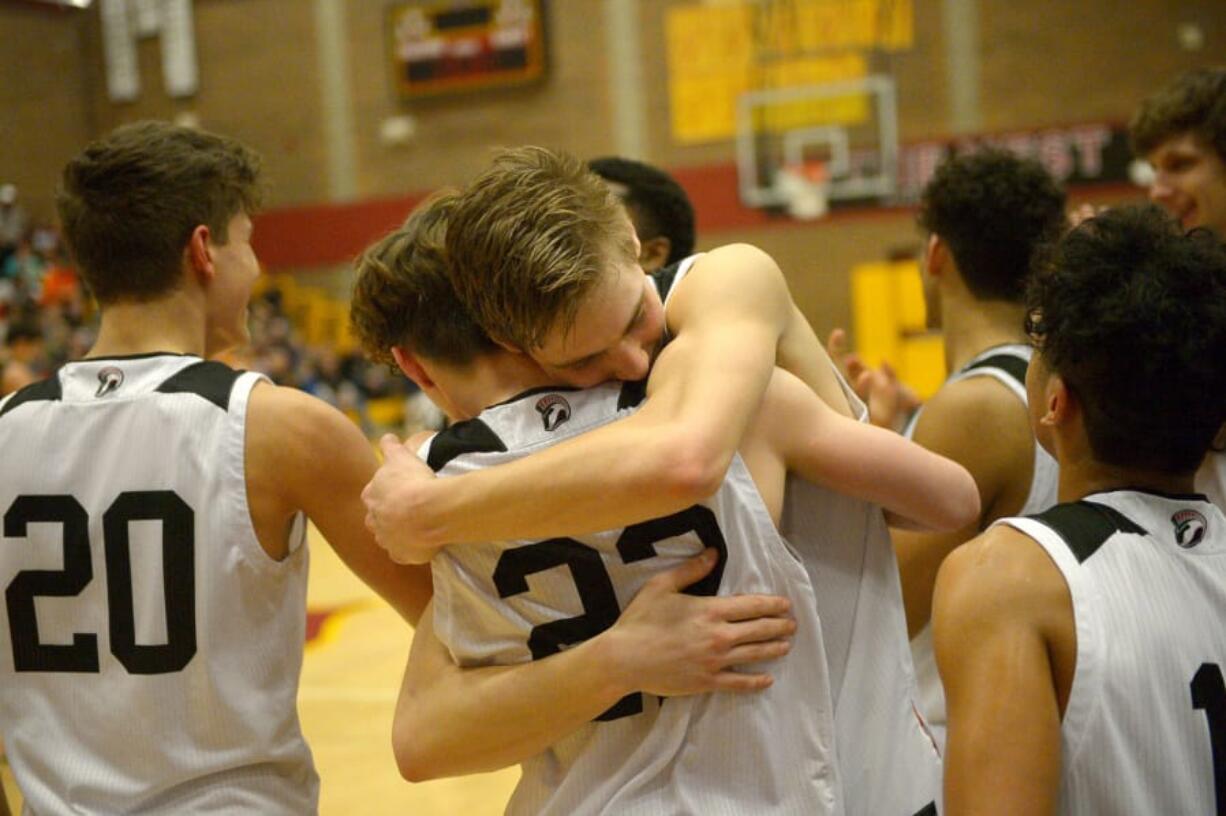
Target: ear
412, 368
199, 254
654, 252
936, 255
1060, 404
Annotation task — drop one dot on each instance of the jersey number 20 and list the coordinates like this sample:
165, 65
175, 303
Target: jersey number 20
178, 567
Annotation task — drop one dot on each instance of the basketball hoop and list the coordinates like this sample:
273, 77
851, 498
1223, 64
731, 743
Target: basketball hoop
805, 188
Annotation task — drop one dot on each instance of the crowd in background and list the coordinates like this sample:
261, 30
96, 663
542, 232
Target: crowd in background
346, 380
47, 318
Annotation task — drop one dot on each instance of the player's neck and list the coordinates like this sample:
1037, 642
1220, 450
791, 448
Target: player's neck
1082, 475
173, 324
493, 379
972, 326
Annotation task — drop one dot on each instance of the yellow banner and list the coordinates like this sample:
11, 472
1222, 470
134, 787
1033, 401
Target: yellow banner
718, 52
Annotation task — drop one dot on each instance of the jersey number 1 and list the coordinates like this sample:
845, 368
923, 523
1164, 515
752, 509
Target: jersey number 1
1209, 695
178, 570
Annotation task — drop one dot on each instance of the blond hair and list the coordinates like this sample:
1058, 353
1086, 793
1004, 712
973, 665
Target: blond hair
529, 238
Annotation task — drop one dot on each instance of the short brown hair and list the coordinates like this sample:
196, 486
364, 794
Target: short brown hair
1194, 103
402, 294
130, 201
529, 238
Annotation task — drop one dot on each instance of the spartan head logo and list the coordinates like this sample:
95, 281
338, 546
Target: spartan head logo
109, 380
1189, 528
554, 410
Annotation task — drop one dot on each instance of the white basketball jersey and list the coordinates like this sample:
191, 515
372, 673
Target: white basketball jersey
1211, 478
888, 763
1145, 726
149, 647
1007, 365
514, 601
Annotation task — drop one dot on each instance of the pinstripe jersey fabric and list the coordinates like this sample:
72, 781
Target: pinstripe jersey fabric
149, 649
887, 759
1007, 365
888, 762
512, 601
1146, 717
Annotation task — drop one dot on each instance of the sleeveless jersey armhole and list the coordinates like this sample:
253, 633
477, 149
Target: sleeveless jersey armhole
1085, 692
234, 470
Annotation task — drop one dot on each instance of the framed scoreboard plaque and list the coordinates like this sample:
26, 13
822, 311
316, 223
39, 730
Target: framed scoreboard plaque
447, 46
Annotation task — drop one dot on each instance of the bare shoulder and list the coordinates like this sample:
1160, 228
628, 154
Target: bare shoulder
722, 273
277, 410
735, 254
980, 401
290, 429
983, 426
1001, 574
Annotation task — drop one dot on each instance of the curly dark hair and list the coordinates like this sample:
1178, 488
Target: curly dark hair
993, 209
402, 293
1131, 313
1193, 103
658, 204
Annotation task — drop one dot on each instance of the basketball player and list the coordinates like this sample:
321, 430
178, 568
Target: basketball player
486, 611
1082, 648
1181, 131
659, 209
549, 257
544, 260
985, 213
153, 542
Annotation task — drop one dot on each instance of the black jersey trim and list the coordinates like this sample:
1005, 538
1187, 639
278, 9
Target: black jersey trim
471, 436
665, 277
48, 390
208, 378
1015, 367
632, 394
929, 809
1085, 525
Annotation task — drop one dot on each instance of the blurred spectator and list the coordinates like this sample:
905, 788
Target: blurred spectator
344, 379
13, 221
46, 320
25, 266
23, 360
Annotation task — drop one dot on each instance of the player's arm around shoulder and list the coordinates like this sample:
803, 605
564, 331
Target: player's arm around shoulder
861, 460
1002, 617
728, 316
980, 425
304, 455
